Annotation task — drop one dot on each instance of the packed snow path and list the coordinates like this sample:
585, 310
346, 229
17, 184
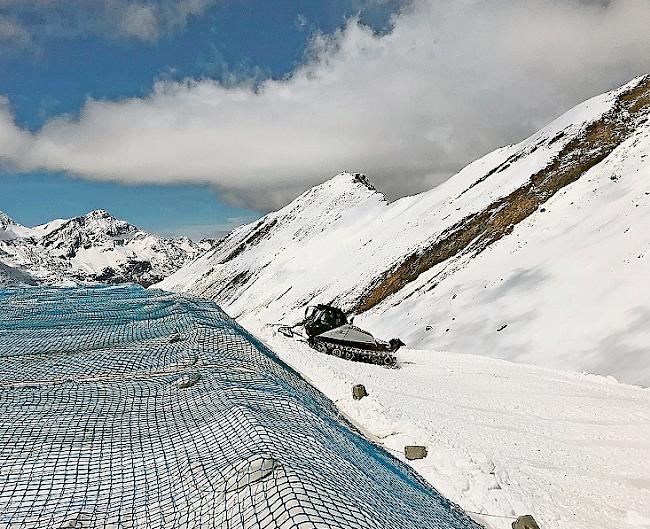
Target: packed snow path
504, 439
125, 408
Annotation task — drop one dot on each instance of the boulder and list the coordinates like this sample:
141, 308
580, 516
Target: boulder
415, 452
525, 522
359, 391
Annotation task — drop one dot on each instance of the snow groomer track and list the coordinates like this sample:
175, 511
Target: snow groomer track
124, 408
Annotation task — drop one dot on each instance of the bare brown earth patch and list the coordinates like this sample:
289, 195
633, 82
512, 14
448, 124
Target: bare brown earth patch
479, 230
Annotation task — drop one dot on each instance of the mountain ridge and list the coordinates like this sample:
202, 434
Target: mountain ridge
95, 247
481, 229
376, 258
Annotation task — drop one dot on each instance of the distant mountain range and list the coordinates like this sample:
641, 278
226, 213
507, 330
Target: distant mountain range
538, 252
95, 247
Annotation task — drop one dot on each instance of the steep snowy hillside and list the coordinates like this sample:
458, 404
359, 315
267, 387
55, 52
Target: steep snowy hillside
568, 288
492, 247
93, 247
314, 245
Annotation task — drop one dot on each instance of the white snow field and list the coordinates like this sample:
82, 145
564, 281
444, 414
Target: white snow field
504, 439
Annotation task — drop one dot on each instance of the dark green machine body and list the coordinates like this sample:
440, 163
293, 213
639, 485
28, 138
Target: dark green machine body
329, 331
322, 318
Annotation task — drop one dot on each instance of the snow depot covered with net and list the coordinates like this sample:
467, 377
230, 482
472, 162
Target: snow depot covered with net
122, 407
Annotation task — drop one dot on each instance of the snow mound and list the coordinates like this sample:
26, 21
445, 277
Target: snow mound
123, 407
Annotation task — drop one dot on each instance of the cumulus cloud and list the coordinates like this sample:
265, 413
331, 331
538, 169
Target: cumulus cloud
452, 80
34, 21
13, 35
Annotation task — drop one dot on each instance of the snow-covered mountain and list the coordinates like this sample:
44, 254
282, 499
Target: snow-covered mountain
95, 247
538, 252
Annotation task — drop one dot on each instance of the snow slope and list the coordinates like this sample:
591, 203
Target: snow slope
570, 283
533, 237
504, 439
534, 253
93, 247
331, 242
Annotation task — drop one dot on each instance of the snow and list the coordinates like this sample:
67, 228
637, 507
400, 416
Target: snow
10, 229
42, 230
508, 432
565, 284
504, 439
569, 283
68, 251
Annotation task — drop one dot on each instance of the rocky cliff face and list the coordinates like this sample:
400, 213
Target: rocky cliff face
399, 265
95, 247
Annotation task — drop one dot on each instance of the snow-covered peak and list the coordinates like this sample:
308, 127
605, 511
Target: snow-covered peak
341, 242
92, 247
336, 193
320, 222
98, 214
101, 217
10, 229
5, 220
347, 179
101, 221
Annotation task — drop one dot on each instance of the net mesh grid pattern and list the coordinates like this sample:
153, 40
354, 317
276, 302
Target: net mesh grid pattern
129, 408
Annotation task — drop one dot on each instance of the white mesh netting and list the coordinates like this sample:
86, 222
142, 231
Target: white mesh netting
126, 408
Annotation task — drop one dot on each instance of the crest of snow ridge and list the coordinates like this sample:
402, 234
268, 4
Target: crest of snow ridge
358, 249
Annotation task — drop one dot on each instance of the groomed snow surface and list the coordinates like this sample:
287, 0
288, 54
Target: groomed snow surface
504, 439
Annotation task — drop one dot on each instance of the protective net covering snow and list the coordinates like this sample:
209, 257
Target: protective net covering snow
122, 407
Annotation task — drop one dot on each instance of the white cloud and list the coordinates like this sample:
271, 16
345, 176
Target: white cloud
12, 33
301, 21
35, 21
12, 139
452, 80
140, 21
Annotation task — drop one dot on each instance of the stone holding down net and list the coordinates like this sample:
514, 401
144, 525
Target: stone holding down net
126, 408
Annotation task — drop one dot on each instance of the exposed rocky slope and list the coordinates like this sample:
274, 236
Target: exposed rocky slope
91, 248
535, 252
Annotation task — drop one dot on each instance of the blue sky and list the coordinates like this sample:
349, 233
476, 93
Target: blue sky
192, 116
55, 74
